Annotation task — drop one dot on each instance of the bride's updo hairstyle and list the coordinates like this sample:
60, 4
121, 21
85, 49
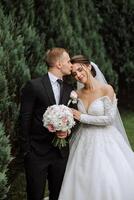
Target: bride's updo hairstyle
83, 60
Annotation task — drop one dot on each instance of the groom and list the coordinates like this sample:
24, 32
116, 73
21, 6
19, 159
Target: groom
41, 159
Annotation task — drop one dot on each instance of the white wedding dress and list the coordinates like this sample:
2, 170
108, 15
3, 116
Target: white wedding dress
101, 163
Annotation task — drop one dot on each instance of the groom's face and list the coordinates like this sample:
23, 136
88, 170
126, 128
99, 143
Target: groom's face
65, 64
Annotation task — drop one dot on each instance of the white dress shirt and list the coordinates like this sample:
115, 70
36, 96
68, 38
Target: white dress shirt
55, 86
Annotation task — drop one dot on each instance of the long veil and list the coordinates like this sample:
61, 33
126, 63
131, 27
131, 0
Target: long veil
118, 121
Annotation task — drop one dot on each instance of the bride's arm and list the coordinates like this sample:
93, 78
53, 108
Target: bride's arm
104, 120
107, 119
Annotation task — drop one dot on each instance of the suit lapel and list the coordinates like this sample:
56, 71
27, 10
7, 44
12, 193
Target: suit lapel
48, 88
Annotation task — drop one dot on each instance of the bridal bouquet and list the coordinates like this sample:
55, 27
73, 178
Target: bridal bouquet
58, 118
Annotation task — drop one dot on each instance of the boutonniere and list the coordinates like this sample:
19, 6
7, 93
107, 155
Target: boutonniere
73, 98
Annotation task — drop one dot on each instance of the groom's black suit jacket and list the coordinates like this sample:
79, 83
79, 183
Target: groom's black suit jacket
36, 96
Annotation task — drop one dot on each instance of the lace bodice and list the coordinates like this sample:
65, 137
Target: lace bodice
96, 107
101, 111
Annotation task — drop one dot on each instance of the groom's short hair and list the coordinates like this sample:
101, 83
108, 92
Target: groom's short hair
53, 55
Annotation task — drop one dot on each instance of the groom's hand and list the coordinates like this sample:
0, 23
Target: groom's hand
61, 134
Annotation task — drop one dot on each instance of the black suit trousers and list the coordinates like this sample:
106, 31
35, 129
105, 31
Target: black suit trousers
38, 169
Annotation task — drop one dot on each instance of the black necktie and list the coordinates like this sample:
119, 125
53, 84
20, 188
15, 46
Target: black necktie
61, 89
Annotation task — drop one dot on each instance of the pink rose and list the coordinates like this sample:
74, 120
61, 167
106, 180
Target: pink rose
51, 128
64, 119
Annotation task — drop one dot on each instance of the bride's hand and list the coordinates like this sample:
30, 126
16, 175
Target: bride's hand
76, 114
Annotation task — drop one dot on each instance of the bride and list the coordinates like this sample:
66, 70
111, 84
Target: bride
101, 162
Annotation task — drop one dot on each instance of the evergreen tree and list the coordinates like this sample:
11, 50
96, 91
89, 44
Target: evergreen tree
117, 31
21, 57
74, 24
86, 24
13, 67
5, 158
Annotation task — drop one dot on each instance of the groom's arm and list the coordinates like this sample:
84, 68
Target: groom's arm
26, 112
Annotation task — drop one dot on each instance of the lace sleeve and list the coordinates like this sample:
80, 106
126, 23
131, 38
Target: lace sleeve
107, 119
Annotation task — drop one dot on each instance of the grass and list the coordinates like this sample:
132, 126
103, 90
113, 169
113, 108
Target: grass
128, 121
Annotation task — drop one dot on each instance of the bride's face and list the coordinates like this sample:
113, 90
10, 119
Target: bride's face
80, 72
